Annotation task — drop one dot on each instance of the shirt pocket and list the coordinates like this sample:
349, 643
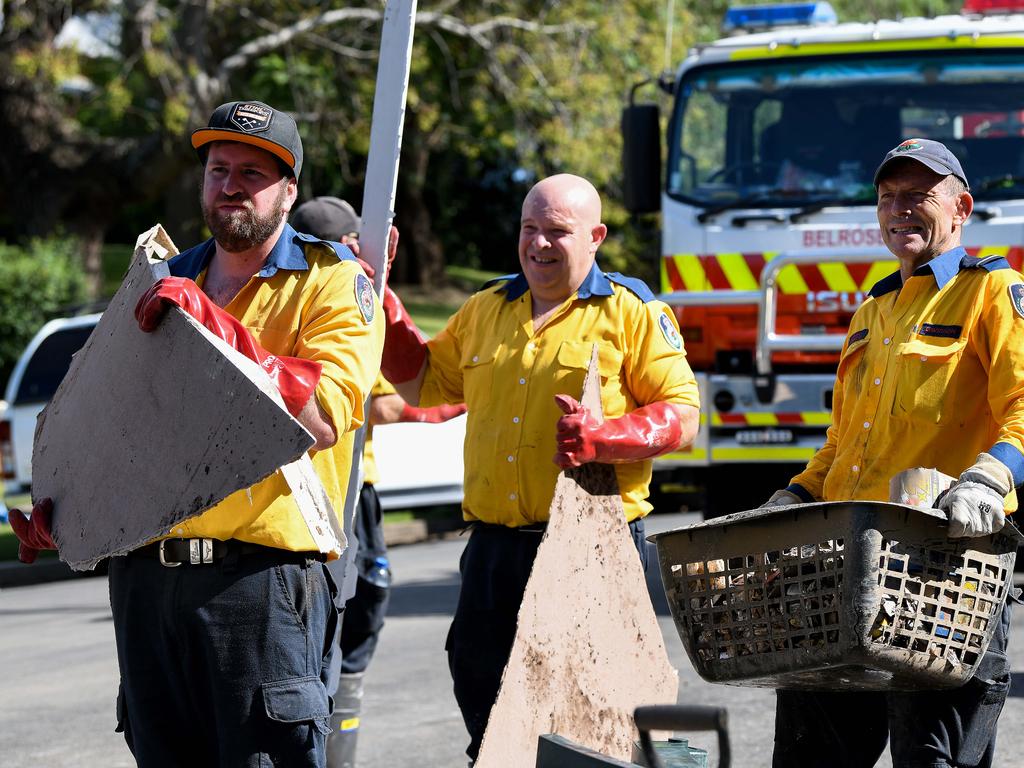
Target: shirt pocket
925, 379
477, 366
851, 364
574, 360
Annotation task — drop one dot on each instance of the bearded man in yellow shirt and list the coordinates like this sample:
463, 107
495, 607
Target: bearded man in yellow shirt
516, 354
225, 625
931, 375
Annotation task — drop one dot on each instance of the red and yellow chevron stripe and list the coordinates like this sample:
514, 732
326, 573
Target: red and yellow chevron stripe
742, 271
761, 419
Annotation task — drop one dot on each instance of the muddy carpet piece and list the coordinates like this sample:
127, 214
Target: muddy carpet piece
148, 429
588, 649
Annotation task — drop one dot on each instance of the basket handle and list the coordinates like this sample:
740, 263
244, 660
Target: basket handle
676, 717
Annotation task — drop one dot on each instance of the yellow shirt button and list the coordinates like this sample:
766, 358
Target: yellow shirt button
886, 340
522, 381
867, 425
855, 468
515, 419
510, 459
511, 497
877, 381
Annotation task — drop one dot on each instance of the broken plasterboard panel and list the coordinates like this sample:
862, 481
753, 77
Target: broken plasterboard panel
588, 648
148, 429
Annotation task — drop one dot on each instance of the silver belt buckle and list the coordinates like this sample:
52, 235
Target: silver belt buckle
163, 560
200, 551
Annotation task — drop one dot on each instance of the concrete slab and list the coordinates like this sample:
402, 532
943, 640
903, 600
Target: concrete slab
588, 649
148, 429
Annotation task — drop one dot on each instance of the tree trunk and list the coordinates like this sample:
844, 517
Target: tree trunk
423, 262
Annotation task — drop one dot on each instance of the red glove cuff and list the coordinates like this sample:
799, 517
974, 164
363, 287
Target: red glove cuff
642, 434
435, 415
405, 348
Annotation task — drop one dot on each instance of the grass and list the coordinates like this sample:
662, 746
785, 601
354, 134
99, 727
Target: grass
116, 258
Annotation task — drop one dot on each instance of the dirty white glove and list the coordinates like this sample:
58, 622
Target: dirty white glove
974, 503
781, 499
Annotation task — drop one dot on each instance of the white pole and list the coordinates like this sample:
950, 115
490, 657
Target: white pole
378, 208
386, 133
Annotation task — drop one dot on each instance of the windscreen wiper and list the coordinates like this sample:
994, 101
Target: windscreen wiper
740, 202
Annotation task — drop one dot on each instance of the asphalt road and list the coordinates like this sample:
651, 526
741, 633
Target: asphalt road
58, 676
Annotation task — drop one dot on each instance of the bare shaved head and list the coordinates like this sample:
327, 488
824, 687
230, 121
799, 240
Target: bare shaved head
559, 235
568, 191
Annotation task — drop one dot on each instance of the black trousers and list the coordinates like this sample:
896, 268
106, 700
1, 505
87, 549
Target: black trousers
495, 567
928, 729
224, 664
362, 617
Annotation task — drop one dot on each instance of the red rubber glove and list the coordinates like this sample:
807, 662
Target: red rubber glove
294, 377
434, 415
34, 532
405, 348
643, 434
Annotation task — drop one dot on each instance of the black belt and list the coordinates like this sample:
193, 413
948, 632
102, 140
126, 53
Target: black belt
531, 528
175, 552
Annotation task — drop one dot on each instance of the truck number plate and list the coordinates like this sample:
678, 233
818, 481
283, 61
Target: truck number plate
764, 436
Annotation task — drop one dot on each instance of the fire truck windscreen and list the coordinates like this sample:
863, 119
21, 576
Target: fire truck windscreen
804, 131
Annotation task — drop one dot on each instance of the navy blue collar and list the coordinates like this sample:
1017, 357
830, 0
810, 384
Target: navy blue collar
288, 253
596, 283
942, 268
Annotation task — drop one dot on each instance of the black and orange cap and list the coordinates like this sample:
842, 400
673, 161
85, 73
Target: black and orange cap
255, 123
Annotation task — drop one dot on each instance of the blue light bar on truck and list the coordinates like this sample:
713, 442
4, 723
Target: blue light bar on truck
761, 17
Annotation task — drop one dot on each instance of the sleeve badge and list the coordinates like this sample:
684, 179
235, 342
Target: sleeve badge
668, 330
1017, 298
364, 297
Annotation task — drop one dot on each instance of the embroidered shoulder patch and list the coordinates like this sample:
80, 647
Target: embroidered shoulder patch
668, 330
1017, 297
857, 336
364, 297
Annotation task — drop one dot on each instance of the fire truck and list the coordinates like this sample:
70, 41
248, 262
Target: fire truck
769, 234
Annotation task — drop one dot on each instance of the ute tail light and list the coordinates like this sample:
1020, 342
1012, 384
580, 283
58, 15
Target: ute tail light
986, 7
6, 451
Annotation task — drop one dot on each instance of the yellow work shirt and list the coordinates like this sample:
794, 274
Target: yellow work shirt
931, 374
490, 357
307, 301
371, 474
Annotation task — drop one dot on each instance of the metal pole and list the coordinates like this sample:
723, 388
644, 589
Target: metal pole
378, 206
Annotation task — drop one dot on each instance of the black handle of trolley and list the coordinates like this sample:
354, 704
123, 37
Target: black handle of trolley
675, 717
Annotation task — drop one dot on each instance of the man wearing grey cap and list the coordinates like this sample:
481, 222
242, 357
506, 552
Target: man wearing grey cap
931, 375
225, 625
363, 601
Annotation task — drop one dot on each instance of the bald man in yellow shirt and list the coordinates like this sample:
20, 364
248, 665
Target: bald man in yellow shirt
516, 353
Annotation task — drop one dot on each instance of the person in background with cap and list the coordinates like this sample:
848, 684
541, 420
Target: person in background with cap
364, 605
226, 625
931, 375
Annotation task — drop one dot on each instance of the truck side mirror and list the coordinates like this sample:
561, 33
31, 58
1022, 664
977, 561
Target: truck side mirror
641, 158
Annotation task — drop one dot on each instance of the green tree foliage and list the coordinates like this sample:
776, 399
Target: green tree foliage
37, 283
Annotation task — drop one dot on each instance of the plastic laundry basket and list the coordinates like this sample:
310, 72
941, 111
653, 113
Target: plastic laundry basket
837, 595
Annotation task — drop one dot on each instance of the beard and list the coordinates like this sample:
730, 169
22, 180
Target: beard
242, 230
